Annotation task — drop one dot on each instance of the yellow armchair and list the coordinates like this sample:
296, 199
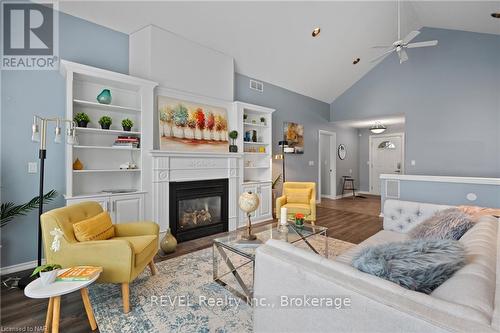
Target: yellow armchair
122, 257
298, 197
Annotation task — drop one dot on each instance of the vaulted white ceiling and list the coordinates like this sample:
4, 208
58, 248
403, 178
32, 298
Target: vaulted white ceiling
271, 41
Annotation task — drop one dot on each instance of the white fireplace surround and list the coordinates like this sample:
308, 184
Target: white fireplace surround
182, 166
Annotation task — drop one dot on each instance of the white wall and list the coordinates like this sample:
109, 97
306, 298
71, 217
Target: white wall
178, 63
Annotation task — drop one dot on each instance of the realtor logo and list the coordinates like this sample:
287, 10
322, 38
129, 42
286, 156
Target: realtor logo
29, 40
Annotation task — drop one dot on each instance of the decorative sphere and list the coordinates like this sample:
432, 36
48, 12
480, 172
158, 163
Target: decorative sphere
249, 202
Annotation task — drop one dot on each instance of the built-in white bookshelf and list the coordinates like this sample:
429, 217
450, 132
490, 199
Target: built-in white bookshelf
101, 159
255, 139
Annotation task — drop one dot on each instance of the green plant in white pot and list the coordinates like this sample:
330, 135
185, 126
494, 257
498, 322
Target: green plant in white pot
48, 273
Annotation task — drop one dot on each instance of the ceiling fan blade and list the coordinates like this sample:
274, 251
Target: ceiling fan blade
403, 56
382, 55
422, 44
410, 36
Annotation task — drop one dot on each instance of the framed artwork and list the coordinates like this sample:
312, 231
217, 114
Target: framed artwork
294, 134
186, 125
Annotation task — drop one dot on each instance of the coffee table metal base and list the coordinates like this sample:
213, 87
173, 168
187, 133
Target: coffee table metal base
225, 250
246, 292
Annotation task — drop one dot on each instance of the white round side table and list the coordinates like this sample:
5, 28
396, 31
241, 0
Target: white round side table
54, 291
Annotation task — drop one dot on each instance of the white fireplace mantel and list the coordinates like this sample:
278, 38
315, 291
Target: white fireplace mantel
170, 166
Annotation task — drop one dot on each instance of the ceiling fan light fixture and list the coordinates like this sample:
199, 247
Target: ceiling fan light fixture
316, 32
378, 128
496, 15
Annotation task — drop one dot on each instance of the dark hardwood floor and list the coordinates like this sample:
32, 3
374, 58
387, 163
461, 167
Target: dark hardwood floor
347, 219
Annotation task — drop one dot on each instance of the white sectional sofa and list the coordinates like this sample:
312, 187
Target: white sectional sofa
467, 302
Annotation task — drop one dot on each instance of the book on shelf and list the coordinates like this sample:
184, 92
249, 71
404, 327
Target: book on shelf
127, 142
126, 145
79, 273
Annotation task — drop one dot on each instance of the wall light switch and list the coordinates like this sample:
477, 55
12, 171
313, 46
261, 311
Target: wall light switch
413, 162
311, 163
32, 167
350, 171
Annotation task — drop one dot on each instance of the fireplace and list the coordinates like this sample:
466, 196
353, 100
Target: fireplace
198, 208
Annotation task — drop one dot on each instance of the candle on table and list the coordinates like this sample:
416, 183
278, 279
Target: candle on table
283, 218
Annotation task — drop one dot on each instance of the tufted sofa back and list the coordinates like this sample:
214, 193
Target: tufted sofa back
402, 216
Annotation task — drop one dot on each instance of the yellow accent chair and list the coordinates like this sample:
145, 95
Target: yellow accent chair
122, 257
298, 197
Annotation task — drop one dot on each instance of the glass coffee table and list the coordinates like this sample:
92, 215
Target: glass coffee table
235, 257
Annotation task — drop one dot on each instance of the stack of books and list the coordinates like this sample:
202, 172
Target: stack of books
79, 273
127, 142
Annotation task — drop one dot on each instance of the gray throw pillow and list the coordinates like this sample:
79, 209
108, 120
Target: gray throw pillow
449, 223
420, 265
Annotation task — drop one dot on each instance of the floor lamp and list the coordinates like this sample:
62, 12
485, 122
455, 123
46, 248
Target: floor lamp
281, 157
39, 134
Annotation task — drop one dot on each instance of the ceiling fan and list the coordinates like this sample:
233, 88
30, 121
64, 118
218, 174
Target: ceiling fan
401, 45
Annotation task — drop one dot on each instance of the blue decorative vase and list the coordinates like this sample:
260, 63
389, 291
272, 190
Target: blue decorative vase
104, 97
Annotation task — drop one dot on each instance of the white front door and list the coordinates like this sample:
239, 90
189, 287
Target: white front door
387, 156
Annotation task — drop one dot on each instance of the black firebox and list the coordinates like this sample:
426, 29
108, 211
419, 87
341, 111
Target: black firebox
198, 208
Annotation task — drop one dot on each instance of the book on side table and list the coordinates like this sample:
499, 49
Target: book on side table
79, 273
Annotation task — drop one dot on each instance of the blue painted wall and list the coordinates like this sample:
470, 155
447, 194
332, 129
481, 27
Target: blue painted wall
314, 115
450, 95
25, 93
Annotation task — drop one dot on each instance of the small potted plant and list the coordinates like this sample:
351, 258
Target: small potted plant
48, 273
127, 124
299, 220
245, 117
82, 119
105, 122
262, 120
233, 135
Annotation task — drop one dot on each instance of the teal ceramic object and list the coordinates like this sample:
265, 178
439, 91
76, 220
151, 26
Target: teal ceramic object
104, 97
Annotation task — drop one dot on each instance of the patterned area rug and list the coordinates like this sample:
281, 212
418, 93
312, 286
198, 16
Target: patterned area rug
183, 297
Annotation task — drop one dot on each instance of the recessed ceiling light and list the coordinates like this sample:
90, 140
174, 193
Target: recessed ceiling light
316, 32
355, 61
496, 15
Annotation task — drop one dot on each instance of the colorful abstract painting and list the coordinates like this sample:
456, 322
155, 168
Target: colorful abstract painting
191, 126
294, 134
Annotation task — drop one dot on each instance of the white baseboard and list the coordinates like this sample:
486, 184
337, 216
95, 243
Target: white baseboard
19, 267
364, 192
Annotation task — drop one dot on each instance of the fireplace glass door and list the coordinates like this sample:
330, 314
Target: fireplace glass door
199, 212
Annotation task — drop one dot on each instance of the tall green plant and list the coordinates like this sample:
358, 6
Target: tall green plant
9, 210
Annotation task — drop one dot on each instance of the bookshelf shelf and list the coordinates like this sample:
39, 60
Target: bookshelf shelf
106, 147
106, 170
90, 130
105, 107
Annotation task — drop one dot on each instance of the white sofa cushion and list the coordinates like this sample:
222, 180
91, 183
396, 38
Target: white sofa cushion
380, 237
402, 216
474, 284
